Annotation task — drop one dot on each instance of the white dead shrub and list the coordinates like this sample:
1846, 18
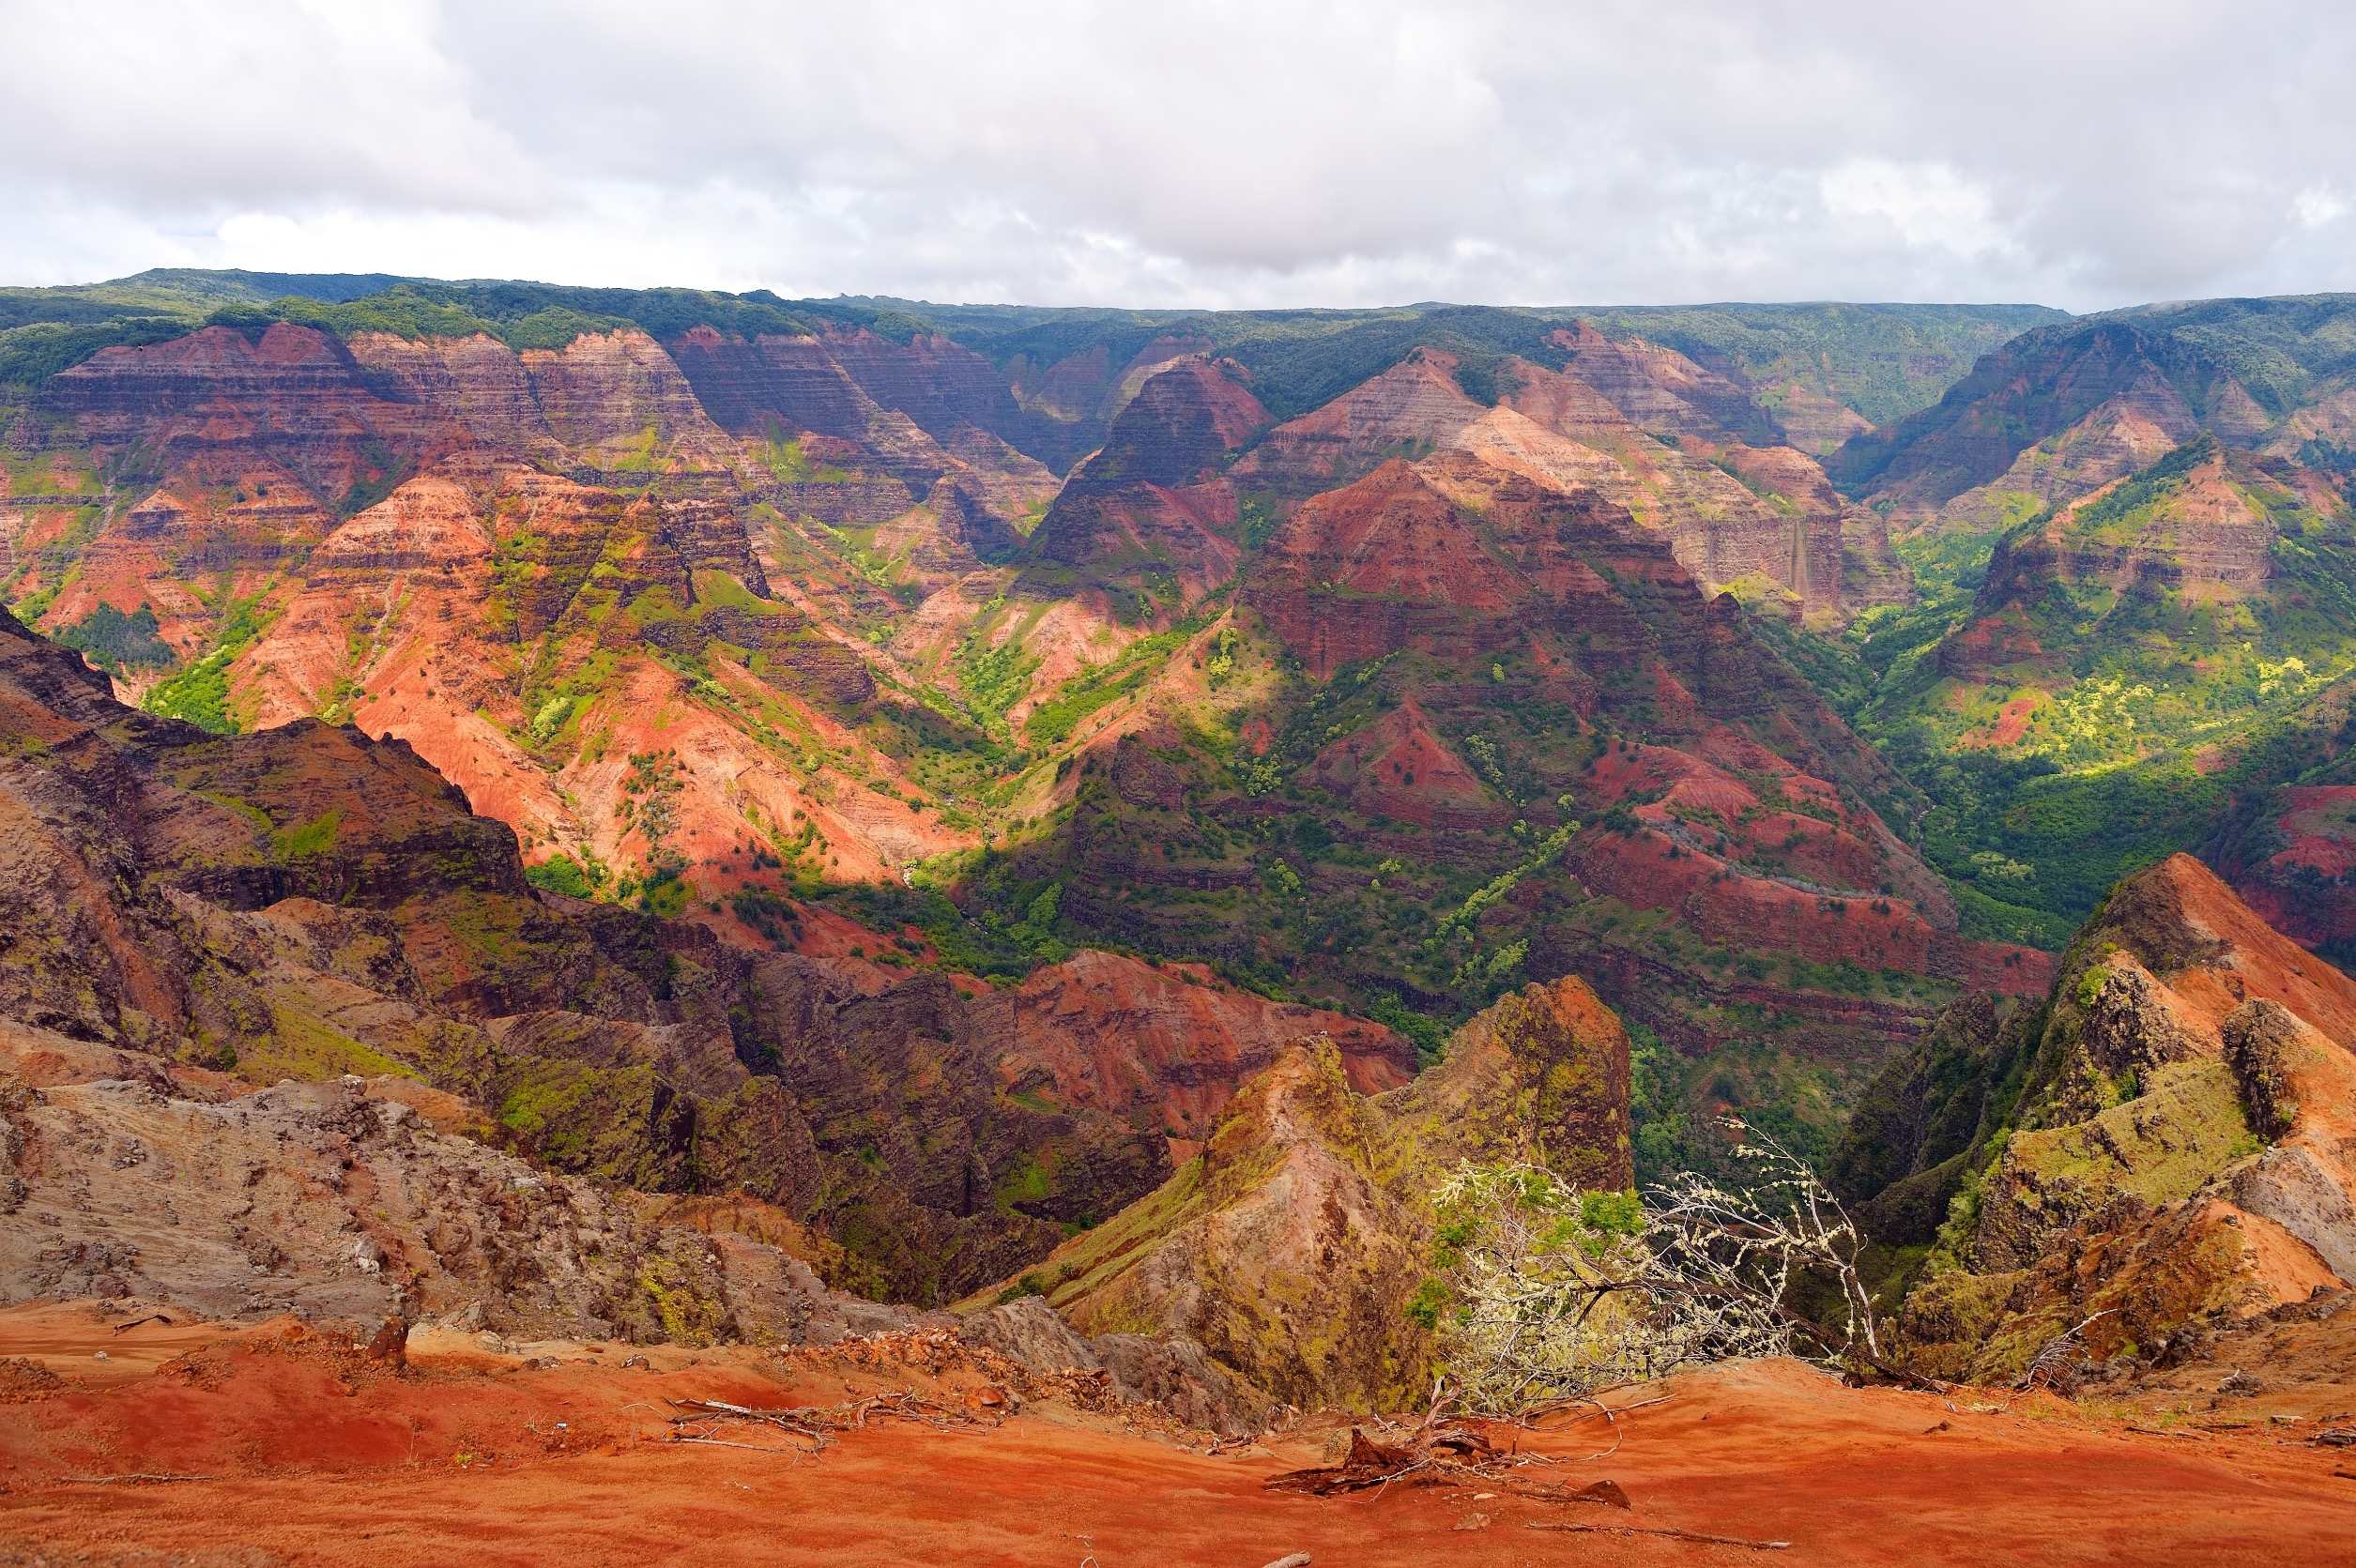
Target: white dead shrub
1552, 1294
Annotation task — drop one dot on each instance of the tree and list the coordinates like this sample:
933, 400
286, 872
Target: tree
1559, 1293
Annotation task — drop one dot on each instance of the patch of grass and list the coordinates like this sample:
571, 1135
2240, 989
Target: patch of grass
316, 837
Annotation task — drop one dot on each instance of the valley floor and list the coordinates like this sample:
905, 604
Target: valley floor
308, 1453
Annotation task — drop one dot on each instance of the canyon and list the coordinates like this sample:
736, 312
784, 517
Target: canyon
777, 617
953, 881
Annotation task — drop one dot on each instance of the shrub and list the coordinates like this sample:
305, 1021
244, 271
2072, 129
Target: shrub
1561, 1293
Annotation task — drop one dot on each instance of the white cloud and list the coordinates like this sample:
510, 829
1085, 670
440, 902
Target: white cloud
2317, 207
1244, 152
1930, 206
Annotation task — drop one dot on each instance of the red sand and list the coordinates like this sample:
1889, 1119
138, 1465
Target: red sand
321, 1458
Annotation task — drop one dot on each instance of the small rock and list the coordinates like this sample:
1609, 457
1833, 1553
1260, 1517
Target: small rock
390, 1343
1475, 1521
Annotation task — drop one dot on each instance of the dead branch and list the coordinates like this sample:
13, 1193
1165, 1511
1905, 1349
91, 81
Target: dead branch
151, 1317
2050, 1366
135, 1478
1529, 1420
698, 1420
1606, 1493
1660, 1531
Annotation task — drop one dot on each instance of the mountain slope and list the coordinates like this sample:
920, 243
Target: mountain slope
1463, 728
2127, 534
307, 903
1292, 1245
2159, 1148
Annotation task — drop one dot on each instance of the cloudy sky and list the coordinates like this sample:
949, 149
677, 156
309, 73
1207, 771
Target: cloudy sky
1258, 152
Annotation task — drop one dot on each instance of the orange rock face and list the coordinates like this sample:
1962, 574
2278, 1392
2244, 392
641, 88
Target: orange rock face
1560, 431
1170, 1044
2180, 1162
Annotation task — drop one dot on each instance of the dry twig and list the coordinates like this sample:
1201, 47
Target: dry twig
700, 1419
1662, 1531
2050, 1367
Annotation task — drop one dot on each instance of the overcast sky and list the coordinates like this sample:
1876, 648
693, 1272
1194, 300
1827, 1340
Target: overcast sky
1263, 152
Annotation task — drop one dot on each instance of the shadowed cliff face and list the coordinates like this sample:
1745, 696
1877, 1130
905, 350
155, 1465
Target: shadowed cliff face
1291, 1245
2162, 1143
306, 903
2289, 851
1143, 528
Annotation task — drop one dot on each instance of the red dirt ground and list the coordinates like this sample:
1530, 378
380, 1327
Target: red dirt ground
318, 1457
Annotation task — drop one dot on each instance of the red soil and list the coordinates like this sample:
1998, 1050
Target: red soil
1399, 767
2007, 727
313, 1457
2317, 818
2252, 959
1995, 643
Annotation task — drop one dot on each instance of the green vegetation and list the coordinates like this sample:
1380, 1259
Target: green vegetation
303, 1046
993, 678
2126, 718
562, 873
1886, 360
200, 692
990, 946
115, 641
308, 839
43, 331
1053, 722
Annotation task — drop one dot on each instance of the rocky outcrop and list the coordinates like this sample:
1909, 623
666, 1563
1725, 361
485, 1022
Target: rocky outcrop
1455, 558
1412, 410
919, 414
2196, 528
2297, 1088
1165, 1369
291, 407
363, 1205
1559, 430
1540, 1077
587, 403
2161, 1147
342, 1202
1660, 390
1164, 1045
1290, 1246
